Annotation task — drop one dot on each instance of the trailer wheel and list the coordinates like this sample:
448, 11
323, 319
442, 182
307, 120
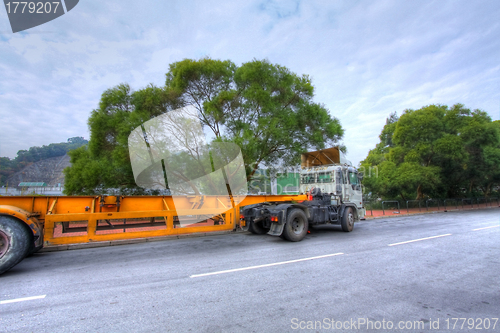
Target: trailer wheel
257, 228
33, 249
14, 243
296, 226
347, 220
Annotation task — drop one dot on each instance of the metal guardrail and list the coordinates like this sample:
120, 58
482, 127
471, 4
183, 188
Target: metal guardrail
371, 208
485, 201
431, 200
468, 199
455, 200
368, 206
438, 203
392, 201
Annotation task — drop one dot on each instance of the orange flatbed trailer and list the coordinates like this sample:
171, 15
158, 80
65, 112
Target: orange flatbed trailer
60, 220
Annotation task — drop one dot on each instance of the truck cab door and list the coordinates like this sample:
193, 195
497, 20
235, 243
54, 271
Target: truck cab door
354, 188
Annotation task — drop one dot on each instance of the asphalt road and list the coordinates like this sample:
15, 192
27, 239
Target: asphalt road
359, 281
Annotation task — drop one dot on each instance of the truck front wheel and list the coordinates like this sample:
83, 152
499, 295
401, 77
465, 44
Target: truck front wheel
296, 225
347, 220
14, 243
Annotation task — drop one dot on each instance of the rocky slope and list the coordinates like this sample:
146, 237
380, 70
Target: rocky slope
48, 171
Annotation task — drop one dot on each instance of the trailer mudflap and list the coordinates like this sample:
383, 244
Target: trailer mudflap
276, 229
244, 225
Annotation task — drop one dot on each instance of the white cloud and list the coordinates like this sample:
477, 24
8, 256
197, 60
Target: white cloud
366, 59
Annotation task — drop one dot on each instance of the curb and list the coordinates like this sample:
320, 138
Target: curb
422, 213
54, 248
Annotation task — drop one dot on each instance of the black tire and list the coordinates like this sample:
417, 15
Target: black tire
15, 242
348, 220
296, 225
33, 249
257, 228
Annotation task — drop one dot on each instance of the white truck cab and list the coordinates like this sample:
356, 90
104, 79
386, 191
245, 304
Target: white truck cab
329, 171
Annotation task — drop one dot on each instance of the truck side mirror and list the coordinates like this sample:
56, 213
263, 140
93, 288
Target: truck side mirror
338, 181
338, 189
360, 175
338, 177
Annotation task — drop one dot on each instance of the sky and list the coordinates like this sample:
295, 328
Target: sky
366, 59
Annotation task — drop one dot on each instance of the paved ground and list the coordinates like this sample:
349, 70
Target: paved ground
360, 280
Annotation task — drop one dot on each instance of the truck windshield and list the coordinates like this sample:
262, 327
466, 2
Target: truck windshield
324, 177
308, 179
353, 178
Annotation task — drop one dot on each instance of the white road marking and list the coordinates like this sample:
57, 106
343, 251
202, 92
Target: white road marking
417, 240
266, 265
493, 226
22, 299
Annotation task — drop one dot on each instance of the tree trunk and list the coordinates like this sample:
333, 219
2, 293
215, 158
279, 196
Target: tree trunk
255, 168
420, 195
488, 190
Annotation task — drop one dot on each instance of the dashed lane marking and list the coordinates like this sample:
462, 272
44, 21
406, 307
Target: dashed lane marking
493, 226
266, 265
418, 240
15, 300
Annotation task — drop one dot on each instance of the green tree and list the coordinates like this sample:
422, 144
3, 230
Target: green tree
7, 168
105, 162
264, 108
436, 151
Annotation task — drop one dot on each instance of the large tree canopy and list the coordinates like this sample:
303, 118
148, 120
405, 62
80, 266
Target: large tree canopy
266, 109
435, 151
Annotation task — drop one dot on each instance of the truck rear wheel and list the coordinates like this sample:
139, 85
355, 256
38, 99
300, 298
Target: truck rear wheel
296, 225
348, 220
14, 243
257, 228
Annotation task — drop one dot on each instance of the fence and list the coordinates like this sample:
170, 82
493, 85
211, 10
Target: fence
394, 201
414, 206
15, 191
413, 201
